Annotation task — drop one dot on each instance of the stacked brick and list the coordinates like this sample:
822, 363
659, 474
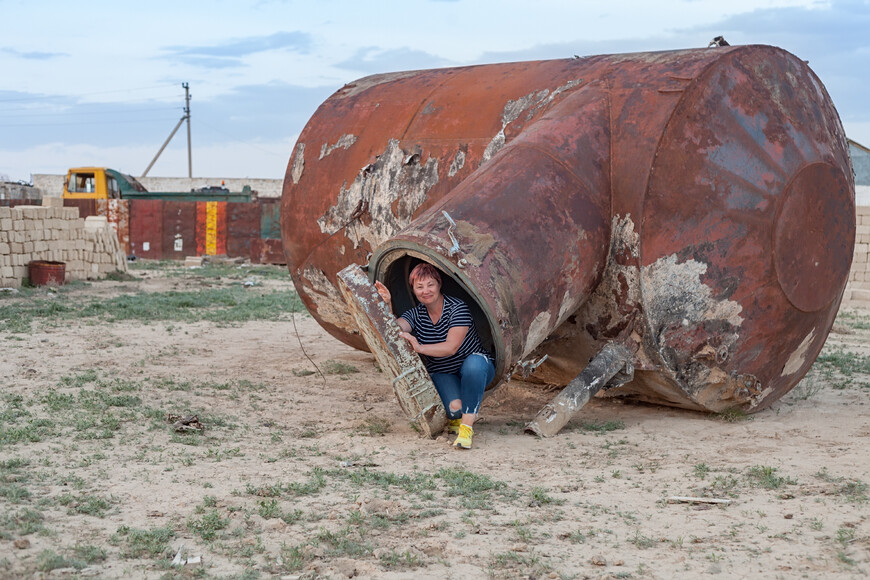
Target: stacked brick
89, 247
858, 288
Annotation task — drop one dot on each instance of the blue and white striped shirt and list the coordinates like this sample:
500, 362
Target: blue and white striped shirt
455, 313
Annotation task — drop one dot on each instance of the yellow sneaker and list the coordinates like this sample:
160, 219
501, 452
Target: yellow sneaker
464, 439
453, 425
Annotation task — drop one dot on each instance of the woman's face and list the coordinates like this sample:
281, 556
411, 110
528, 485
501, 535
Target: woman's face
427, 291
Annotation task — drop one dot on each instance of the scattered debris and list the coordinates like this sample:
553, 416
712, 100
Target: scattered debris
683, 499
185, 424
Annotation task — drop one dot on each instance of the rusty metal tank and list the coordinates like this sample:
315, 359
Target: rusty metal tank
695, 206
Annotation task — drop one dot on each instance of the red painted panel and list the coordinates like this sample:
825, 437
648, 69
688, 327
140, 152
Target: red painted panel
201, 227
179, 229
243, 226
267, 252
146, 228
220, 233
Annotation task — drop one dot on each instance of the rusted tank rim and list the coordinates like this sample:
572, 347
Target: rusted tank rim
391, 251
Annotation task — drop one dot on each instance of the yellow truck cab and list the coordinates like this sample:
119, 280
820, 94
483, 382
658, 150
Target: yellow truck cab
98, 183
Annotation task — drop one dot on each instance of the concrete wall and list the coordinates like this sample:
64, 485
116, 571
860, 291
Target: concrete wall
89, 247
18, 191
52, 185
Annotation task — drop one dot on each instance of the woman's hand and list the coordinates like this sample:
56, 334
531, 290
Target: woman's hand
411, 339
385, 294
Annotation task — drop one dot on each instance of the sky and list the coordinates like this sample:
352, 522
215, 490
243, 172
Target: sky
100, 83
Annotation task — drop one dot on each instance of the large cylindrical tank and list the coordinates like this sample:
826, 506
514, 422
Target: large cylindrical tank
697, 205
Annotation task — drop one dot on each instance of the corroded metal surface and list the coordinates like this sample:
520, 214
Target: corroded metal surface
414, 389
697, 203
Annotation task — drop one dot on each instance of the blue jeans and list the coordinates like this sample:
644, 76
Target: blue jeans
476, 373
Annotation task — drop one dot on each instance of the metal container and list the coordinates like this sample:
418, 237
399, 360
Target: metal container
695, 207
46, 273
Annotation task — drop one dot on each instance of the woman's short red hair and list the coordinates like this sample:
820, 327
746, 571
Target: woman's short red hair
423, 271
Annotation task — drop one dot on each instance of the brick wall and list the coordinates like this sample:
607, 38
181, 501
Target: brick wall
858, 288
89, 247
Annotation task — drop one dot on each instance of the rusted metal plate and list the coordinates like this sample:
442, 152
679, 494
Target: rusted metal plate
118, 215
243, 227
146, 228
270, 219
413, 387
267, 252
87, 207
179, 229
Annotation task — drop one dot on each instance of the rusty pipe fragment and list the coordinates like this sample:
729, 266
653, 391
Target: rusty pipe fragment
613, 359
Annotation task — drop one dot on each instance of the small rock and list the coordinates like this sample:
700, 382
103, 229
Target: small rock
598, 560
62, 572
22, 543
788, 516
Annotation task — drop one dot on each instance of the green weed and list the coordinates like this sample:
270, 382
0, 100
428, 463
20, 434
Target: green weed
336, 367
374, 427
48, 560
733, 415
601, 427
208, 526
400, 560
153, 543
766, 477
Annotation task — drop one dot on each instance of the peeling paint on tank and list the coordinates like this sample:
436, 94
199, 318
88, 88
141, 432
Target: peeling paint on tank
457, 164
344, 142
538, 331
532, 102
327, 300
365, 209
678, 294
799, 356
619, 284
298, 163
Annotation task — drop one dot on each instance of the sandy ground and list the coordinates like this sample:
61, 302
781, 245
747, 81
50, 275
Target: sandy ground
303, 475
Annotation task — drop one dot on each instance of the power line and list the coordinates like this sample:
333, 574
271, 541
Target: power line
242, 141
80, 95
83, 113
122, 122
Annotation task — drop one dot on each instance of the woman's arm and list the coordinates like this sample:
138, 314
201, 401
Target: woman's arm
455, 336
388, 298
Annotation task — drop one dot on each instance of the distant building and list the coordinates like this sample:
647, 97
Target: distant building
860, 162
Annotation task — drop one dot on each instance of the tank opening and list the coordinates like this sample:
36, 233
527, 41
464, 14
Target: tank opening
396, 280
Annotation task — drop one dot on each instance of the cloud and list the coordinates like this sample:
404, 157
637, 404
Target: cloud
832, 37
229, 54
259, 122
371, 59
32, 55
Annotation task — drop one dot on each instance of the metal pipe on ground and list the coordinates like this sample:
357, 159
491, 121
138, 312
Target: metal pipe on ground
608, 363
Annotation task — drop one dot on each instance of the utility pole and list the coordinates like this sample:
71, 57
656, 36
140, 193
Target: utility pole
187, 114
184, 117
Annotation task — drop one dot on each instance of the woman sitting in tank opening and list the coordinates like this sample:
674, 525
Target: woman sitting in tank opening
444, 334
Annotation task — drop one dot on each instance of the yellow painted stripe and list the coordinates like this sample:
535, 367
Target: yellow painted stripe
211, 228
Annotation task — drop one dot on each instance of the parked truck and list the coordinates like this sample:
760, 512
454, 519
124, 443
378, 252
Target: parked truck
104, 183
